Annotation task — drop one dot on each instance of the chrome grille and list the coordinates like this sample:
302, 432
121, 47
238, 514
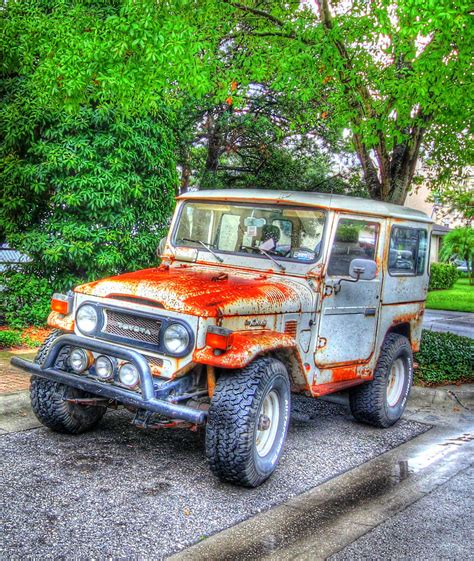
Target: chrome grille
154, 361
129, 326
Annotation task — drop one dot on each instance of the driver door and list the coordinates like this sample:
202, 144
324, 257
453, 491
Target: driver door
348, 317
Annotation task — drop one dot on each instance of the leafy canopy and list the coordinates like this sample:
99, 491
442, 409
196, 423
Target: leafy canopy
394, 74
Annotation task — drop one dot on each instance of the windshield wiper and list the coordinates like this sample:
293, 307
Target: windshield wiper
206, 246
279, 265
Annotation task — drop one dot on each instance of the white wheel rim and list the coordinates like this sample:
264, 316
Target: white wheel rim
269, 415
395, 382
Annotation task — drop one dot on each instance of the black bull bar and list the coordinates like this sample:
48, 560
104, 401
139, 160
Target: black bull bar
146, 400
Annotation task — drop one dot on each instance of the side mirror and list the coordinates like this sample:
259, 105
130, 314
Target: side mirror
161, 247
363, 269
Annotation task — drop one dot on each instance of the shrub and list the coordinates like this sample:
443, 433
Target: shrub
347, 233
25, 300
445, 358
9, 338
443, 276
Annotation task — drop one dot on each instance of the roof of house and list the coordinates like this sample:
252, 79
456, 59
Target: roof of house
306, 198
10, 257
439, 230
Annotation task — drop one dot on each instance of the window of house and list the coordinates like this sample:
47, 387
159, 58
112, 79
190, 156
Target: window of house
408, 251
355, 239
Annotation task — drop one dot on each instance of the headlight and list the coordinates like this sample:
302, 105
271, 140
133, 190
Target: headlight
128, 375
104, 367
79, 360
87, 319
176, 338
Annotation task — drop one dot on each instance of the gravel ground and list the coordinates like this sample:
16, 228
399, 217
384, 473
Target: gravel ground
443, 528
125, 493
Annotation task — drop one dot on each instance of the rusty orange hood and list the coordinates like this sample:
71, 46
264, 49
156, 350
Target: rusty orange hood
205, 293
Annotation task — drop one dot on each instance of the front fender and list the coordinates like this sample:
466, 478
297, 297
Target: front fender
246, 345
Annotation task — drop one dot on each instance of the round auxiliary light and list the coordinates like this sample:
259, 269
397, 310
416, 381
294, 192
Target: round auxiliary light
79, 360
176, 338
87, 318
128, 375
104, 367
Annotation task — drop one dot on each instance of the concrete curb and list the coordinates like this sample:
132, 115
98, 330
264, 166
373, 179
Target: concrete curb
442, 397
14, 402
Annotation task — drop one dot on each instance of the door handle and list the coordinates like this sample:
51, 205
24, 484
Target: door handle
370, 312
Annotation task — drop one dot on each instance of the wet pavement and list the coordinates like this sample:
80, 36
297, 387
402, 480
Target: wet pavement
414, 502
438, 526
124, 493
459, 323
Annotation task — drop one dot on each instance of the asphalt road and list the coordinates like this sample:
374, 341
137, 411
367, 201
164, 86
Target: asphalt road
124, 493
459, 323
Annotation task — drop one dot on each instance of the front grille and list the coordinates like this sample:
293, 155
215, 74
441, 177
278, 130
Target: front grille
129, 326
155, 361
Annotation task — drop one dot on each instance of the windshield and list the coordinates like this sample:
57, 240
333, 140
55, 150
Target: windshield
284, 232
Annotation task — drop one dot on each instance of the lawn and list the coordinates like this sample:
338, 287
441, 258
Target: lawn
460, 298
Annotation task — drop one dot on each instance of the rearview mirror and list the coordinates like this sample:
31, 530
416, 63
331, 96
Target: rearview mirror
363, 269
161, 247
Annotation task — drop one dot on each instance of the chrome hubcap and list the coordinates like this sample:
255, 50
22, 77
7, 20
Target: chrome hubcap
395, 382
267, 424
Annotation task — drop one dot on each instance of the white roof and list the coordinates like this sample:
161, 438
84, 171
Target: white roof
307, 198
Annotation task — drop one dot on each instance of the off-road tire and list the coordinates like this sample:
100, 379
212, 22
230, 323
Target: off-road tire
233, 419
47, 399
368, 402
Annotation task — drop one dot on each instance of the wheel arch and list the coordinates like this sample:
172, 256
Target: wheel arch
400, 329
250, 345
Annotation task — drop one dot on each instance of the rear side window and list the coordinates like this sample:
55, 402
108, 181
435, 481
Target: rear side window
354, 239
408, 251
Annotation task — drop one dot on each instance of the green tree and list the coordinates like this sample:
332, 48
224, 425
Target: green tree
395, 76
88, 194
459, 244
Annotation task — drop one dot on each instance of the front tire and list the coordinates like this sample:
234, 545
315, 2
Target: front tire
48, 399
381, 402
248, 421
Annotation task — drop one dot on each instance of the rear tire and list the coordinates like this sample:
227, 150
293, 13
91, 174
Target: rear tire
47, 399
248, 421
381, 402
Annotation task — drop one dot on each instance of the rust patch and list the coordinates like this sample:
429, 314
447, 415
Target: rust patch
211, 380
193, 292
60, 321
331, 387
344, 373
246, 345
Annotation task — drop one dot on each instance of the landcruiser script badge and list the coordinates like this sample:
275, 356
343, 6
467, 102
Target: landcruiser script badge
255, 322
134, 328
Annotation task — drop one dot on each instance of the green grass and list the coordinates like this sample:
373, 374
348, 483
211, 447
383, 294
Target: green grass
460, 298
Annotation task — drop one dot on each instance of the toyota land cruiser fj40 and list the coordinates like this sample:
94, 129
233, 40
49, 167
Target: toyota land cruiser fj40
259, 294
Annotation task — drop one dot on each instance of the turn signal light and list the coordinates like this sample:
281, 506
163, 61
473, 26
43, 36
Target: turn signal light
61, 303
218, 338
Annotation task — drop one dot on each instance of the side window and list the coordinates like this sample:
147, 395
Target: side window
422, 252
354, 239
408, 251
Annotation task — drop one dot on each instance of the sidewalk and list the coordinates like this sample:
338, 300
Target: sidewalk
459, 323
13, 380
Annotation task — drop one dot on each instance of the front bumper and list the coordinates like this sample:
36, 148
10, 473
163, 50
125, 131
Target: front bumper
146, 400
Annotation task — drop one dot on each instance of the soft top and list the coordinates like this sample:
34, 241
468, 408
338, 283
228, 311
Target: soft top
307, 198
